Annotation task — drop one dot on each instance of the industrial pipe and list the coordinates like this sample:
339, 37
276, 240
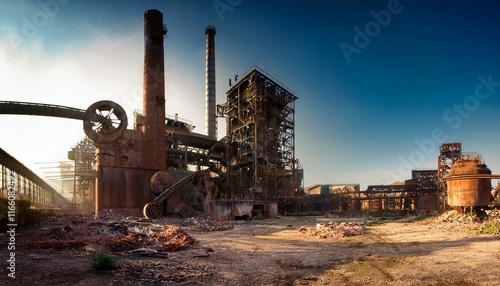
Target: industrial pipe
104, 121
41, 109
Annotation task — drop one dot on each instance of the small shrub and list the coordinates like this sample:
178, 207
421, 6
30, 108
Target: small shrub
23, 205
490, 229
4, 203
104, 262
59, 214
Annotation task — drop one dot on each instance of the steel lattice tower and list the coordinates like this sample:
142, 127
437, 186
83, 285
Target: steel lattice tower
261, 136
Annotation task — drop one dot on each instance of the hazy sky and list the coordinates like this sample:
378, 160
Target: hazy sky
380, 84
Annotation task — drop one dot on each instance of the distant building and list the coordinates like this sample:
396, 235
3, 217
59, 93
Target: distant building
325, 189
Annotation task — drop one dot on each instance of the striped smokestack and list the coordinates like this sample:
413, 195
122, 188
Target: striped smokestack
210, 118
153, 100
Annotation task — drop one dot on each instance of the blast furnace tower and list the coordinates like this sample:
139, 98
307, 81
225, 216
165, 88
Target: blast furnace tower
260, 126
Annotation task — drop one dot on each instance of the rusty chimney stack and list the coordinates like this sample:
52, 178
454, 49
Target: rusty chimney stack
154, 154
210, 117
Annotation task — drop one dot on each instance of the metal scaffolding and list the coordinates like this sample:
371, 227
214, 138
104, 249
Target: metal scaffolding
449, 153
84, 174
261, 130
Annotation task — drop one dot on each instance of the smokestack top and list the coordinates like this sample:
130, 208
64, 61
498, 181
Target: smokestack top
151, 19
210, 28
153, 11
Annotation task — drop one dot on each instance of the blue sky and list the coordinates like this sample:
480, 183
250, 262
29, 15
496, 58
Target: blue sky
418, 74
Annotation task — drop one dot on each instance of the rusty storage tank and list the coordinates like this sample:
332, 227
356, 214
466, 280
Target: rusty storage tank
469, 192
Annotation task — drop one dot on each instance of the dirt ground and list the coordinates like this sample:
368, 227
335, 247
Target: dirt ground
274, 252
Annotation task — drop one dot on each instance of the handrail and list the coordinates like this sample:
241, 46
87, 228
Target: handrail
470, 176
256, 68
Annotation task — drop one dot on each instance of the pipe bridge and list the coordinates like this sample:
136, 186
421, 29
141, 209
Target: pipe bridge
104, 121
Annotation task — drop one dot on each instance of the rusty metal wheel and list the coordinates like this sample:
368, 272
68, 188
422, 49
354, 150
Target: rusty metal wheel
105, 121
184, 210
152, 211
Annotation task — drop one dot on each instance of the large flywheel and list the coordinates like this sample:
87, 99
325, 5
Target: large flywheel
104, 121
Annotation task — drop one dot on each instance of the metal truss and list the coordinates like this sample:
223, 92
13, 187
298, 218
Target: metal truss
261, 130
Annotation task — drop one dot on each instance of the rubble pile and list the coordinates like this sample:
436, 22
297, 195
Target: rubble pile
206, 223
457, 217
58, 239
492, 216
173, 239
118, 235
454, 221
125, 242
161, 238
332, 230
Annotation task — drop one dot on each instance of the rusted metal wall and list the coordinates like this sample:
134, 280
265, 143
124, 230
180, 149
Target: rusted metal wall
469, 192
121, 180
123, 188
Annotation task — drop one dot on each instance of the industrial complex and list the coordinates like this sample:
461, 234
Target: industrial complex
163, 167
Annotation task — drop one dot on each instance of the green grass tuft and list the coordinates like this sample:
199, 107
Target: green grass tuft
490, 229
104, 262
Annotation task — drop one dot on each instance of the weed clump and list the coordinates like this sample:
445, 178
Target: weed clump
490, 229
104, 262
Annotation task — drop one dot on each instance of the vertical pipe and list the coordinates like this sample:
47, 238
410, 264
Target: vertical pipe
210, 118
154, 142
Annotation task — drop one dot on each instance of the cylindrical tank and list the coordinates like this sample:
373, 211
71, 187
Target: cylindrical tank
469, 192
